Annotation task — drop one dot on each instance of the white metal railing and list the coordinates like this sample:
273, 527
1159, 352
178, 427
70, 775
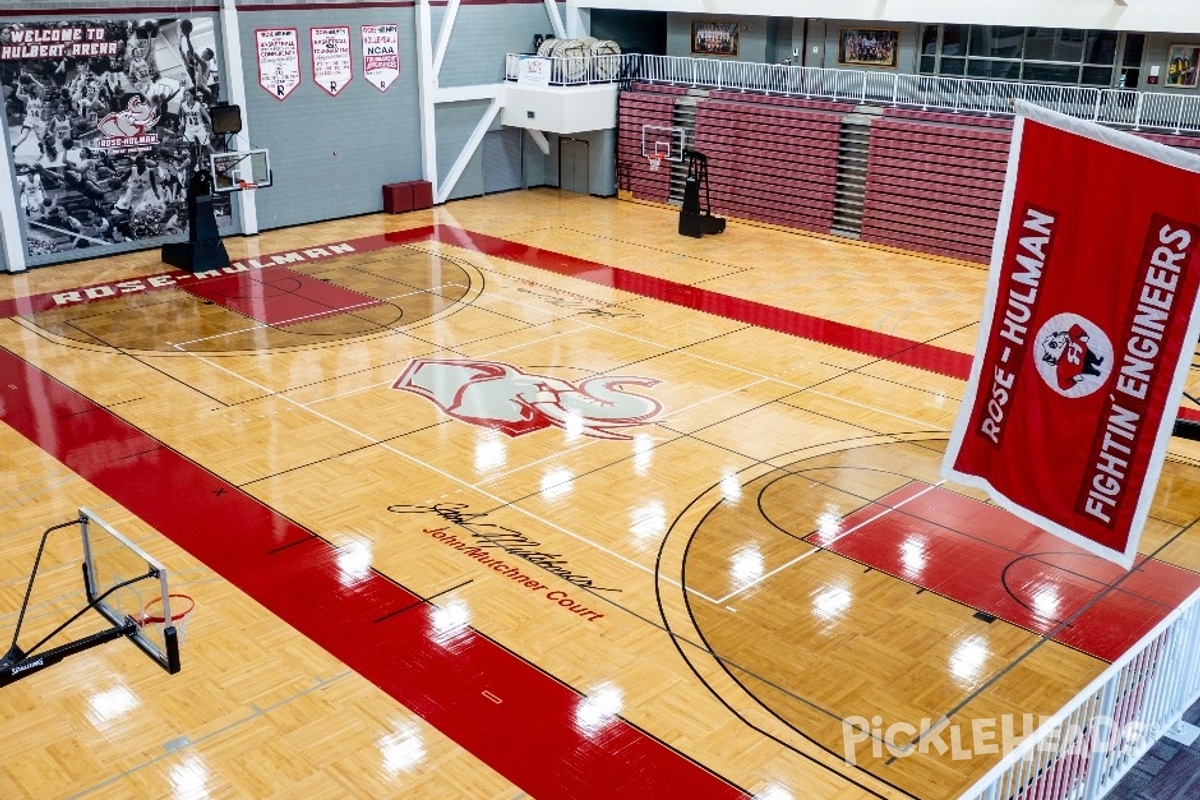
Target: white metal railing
1169, 112
579, 70
1082, 751
1177, 113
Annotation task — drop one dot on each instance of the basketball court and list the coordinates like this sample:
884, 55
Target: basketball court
529, 496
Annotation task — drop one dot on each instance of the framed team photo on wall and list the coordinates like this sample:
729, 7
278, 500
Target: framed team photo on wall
1183, 65
715, 38
870, 47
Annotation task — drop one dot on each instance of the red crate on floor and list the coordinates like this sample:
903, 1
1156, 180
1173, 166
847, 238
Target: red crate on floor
407, 196
422, 194
397, 197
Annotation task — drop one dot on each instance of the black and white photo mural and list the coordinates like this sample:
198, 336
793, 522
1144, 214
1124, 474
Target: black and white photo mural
107, 121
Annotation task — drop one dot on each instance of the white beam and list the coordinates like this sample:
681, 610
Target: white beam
426, 86
457, 94
10, 220
556, 23
448, 20
540, 140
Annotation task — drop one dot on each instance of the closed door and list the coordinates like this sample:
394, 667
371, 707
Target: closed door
573, 165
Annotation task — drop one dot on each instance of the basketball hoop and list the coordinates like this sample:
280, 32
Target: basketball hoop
152, 613
655, 160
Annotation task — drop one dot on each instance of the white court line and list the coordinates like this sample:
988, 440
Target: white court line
923, 424
818, 549
498, 500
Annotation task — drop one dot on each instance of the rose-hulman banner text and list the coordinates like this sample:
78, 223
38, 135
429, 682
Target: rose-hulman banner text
1087, 331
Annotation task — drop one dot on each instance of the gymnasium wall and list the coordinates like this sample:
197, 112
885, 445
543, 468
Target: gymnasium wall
330, 155
353, 143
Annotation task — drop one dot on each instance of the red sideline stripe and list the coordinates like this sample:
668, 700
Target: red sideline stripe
531, 737
929, 357
837, 334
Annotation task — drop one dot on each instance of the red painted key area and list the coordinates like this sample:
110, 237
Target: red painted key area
278, 296
985, 558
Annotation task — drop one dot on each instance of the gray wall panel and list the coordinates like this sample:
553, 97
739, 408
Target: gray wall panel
330, 155
482, 35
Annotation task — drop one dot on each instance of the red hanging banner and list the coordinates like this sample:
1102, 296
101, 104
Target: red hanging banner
1087, 331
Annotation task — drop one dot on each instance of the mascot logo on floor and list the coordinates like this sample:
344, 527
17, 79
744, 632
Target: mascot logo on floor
505, 398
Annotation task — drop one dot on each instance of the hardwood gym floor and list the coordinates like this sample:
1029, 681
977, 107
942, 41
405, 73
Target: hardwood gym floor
528, 495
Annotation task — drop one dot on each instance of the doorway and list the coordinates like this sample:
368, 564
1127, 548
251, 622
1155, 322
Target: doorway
573, 174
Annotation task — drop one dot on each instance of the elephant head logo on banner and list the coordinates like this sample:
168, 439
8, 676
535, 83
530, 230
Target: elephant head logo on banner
503, 397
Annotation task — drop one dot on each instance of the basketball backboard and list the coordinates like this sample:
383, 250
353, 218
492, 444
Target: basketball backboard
665, 142
121, 580
122, 583
238, 170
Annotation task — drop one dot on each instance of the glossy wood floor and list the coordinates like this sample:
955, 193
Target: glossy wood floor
504, 593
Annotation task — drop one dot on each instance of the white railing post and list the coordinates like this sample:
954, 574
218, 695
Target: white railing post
1137, 114
1108, 702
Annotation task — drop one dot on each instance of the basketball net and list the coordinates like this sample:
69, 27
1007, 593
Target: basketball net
153, 615
655, 160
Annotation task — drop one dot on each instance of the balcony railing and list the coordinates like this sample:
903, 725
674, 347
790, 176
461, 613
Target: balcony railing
581, 70
1174, 113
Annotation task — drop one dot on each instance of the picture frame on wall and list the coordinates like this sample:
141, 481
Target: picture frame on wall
872, 47
1183, 66
715, 38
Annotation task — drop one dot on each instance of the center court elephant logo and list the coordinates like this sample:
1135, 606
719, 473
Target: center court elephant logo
505, 398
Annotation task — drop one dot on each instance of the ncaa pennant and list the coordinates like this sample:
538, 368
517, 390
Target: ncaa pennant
1087, 333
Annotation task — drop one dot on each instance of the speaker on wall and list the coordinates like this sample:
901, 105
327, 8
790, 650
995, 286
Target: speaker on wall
226, 118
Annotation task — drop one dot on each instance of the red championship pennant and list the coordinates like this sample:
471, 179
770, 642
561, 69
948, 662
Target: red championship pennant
1087, 331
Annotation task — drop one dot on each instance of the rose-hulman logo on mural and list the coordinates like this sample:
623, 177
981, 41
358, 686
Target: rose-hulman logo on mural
128, 128
505, 398
1074, 356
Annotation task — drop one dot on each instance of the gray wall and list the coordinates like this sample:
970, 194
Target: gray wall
752, 36
635, 31
482, 35
330, 155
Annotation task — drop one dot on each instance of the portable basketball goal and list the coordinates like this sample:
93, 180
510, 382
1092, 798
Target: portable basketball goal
123, 584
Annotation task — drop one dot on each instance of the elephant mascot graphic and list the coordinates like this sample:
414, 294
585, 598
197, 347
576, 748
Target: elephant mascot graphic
500, 396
